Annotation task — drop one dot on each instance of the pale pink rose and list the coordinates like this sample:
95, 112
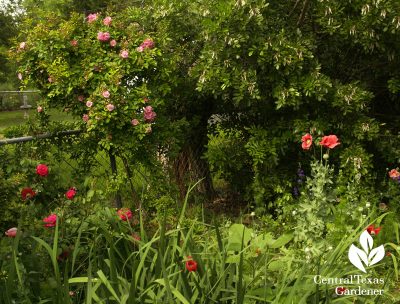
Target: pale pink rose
110, 107
50, 79
22, 45
107, 21
139, 49
106, 94
124, 54
12, 232
149, 114
103, 37
89, 103
74, 42
39, 109
91, 18
148, 43
81, 98
113, 43
134, 122
85, 117
19, 75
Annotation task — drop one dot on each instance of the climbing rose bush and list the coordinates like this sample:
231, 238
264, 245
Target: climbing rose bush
94, 67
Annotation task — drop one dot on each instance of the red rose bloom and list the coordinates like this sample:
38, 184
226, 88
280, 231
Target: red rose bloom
70, 194
191, 265
372, 230
125, 214
27, 193
42, 170
330, 141
50, 221
306, 141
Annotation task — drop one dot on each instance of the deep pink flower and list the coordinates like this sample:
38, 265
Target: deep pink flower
39, 109
74, 42
124, 54
42, 170
91, 18
12, 232
134, 122
113, 43
110, 107
125, 214
70, 194
103, 37
89, 103
106, 94
27, 193
85, 117
148, 44
50, 221
107, 21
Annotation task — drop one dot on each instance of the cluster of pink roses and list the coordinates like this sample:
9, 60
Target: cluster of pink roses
146, 44
330, 141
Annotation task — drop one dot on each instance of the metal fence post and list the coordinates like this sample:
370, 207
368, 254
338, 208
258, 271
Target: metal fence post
113, 162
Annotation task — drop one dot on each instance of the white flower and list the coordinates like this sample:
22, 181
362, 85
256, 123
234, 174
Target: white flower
367, 205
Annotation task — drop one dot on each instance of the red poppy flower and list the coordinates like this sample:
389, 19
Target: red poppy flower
191, 265
50, 221
306, 141
27, 193
42, 170
372, 230
330, 141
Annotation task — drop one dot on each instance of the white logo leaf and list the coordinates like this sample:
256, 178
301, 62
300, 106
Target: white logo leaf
356, 255
376, 255
366, 241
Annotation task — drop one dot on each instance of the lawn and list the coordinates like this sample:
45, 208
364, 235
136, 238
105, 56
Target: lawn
13, 118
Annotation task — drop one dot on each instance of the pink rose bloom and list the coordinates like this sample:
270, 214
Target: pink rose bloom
91, 18
74, 42
19, 75
113, 43
81, 98
103, 37
148, 43
12, 232
140, 49
39, 109
22, 45
42, 170
89, 103
110, 107
106, 94
50, 221
50, 79
85, 117
107, 21
124, 54
134, 122
149, 114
